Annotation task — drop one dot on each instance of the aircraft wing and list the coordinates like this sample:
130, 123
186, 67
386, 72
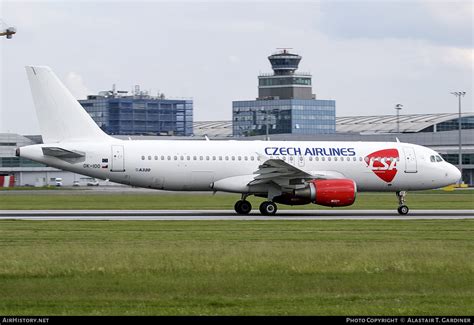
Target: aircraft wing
285, 175
61, 153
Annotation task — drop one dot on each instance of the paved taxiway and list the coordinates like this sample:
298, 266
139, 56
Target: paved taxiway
231, 215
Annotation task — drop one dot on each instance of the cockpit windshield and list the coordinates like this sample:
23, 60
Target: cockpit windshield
436, 158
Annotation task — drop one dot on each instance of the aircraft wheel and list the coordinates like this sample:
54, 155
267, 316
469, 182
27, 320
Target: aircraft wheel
403, 209
243, 207
268, 208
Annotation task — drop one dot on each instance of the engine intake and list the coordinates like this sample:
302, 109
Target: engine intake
329, 192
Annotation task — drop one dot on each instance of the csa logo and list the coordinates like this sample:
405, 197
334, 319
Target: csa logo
383, 163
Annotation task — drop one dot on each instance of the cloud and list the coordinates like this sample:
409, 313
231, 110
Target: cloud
76, 85
462, 58
234, 59
447, 23
367, 56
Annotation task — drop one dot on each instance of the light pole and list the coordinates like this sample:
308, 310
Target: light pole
459, 94
398, 107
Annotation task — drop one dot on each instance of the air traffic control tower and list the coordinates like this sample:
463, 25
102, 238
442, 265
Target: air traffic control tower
284, 83
285, 103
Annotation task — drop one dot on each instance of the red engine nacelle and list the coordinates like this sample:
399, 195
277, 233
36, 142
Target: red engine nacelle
329, 192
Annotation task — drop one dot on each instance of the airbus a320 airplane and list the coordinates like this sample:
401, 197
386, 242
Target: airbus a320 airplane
286, 172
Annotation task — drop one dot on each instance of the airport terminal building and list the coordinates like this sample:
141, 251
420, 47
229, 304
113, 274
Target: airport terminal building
436, 131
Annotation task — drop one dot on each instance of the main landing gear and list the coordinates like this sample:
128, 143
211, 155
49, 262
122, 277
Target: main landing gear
267, 208
402, 208
243, 207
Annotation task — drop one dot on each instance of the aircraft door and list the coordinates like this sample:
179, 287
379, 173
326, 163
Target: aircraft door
410, 160
118, 163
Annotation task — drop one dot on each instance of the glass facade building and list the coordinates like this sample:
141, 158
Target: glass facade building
467, 122
141, 115
298, 116
285, 103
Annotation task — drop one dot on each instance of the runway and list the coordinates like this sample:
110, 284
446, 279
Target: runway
165, 215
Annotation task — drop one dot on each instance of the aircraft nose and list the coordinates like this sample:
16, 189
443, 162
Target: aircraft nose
454, 174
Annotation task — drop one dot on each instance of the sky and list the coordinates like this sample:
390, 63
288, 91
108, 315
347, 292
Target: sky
366, 55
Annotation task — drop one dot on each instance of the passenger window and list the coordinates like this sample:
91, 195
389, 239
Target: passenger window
213, 157
246, 158
310, 158
239, 158
195, 158
226, 157
175, 157
207, 157
156, 157
201, 158
335, 158
316, 158
149, 157
323, 159
162, 157
143, 157
233, 157
169, 157
252, 158
220, 157
182, 157
329, 158
188, 157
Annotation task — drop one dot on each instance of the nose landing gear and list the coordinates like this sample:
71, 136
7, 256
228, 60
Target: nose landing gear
402, 208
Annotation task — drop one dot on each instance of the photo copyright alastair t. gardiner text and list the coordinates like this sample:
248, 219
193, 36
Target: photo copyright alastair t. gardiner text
409, 320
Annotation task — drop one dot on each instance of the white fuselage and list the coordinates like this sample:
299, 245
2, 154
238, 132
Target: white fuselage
191, 165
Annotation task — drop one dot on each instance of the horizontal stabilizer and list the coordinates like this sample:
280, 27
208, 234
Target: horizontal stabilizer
61, 153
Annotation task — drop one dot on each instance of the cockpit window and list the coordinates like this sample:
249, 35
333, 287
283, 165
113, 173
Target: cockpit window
432, 158
438, 158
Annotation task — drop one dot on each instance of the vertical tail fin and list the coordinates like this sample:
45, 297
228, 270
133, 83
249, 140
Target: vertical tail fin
60, 115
